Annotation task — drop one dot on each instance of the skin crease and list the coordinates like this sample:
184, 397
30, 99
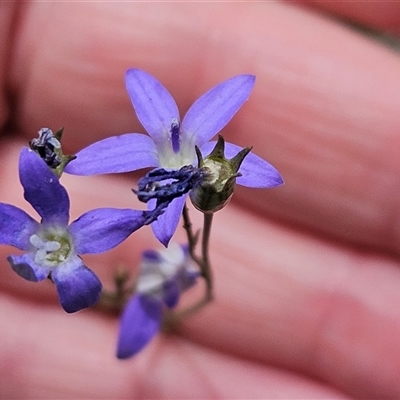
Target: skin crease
385, 17
307, 275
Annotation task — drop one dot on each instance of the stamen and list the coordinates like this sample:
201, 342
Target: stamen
52, 250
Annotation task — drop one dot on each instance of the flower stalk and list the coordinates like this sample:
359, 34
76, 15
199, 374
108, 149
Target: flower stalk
191, 236
173, 318
206, 267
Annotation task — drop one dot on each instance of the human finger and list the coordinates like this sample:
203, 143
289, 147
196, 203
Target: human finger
42, 351
383, 15
283, 297
7, 20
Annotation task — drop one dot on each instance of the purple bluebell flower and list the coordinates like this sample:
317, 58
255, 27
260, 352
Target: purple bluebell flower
164, 275
51, 247
172, 141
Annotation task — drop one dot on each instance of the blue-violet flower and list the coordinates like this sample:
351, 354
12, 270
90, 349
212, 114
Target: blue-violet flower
52, 247
172, 141
164, 275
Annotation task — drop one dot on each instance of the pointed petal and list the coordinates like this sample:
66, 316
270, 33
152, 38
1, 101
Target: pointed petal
151, 256
140, 321
77, 286
115, 154
165, 226
43, 189
104, 228
154, 105
25, 266
214, 109
16, 227
256, 172
171, 293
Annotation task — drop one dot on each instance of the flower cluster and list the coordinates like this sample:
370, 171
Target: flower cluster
185, 161
163, 276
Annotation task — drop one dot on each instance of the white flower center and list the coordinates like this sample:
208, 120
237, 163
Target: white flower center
52, 246
169, 159
155, 273
178, 150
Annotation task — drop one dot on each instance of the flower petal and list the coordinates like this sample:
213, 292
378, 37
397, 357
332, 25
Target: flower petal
256, 172
104, 228
154, 105
214, 109
77, 286
151, 256
140, 321
171, 293
43, 189
24, 265
16, 226
165, 226
115, 154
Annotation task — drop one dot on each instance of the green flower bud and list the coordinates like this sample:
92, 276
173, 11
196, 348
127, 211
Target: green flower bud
217, 188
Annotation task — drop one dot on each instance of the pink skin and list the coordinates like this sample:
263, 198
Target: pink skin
307, 275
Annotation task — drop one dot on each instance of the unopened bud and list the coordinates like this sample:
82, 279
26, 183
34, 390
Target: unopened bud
218, 186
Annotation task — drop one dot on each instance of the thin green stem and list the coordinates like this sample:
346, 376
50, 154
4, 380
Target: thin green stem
172, 319
192, 237
112, 302
204, 261
206, 267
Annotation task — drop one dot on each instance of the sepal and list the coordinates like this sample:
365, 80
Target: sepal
218, 186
